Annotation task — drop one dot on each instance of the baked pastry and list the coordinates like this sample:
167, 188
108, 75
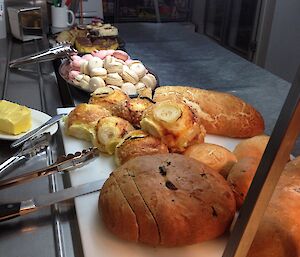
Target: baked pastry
220, 113
132, 109
240, 178
278, 234
138, 143
174, 123
107, 97
215, 156
166, 199
109, 133
82, 120
252, 147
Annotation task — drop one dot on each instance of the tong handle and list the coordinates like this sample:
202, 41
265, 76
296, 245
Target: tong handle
9, 163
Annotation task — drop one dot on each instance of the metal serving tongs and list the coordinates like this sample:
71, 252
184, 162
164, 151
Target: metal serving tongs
63, 164
61, 50
30, 148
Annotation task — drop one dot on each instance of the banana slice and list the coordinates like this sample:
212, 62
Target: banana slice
151, 127
109, 137
167, 112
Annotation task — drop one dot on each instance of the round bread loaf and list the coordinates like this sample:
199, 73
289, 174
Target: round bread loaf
240, 178
215, 156
166, 199
251, 147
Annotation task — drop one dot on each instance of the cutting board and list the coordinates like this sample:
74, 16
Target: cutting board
96, 240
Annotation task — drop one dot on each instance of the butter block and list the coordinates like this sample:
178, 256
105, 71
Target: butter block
14, 118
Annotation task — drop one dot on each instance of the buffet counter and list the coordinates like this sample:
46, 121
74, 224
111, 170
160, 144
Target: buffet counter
176, 54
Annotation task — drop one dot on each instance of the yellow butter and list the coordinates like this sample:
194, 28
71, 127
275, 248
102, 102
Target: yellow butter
14, 118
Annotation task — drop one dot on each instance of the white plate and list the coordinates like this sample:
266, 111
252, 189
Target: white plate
96, 240
38, 118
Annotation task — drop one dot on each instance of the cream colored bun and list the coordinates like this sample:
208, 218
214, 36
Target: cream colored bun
138, 143
114, 79
82, 120
145, 92
109, 133
108, 97
129, 75
252, 147
95, 62
83, 81
220, 113
108, 59
96, 82
215, 156
84, 67
99, 72
140, 86
114, 67
174, 123
240, 178
166, 199
149, 80
129, 88
139, 69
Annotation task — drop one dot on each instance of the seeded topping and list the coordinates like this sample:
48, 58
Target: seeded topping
162, 170
170, 185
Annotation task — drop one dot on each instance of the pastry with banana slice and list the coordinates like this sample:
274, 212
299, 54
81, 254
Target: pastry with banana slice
82, 120
109, 133
138, 143
107, 97
132, 109
174, 123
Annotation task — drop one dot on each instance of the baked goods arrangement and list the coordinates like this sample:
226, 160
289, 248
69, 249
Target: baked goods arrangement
108, 68
160, 150
91, 37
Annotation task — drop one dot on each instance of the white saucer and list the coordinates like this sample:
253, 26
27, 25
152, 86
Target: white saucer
38, 118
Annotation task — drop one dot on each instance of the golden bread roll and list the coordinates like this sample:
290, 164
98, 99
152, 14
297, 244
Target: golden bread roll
251, 147
215, 156
220, 113
240, 178
109, 133
132, 109
174, 123
107, 97
278, 234
82, 120
138, 143
166, 199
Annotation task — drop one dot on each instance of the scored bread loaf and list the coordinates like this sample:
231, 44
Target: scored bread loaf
166, 199
220, 113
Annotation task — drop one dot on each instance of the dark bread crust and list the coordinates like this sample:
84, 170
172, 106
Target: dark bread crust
220, 113
189, 202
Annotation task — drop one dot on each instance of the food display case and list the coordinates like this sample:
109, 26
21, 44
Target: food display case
188, 65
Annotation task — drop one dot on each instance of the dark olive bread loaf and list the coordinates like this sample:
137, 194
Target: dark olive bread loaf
166, 199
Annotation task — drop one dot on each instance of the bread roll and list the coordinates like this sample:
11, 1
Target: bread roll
252, 147
174, 123
108, 97
175, 201
109, 133
82, 120
138, 143
132, 109
220, 113
279, 232
240, 178
215, 156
